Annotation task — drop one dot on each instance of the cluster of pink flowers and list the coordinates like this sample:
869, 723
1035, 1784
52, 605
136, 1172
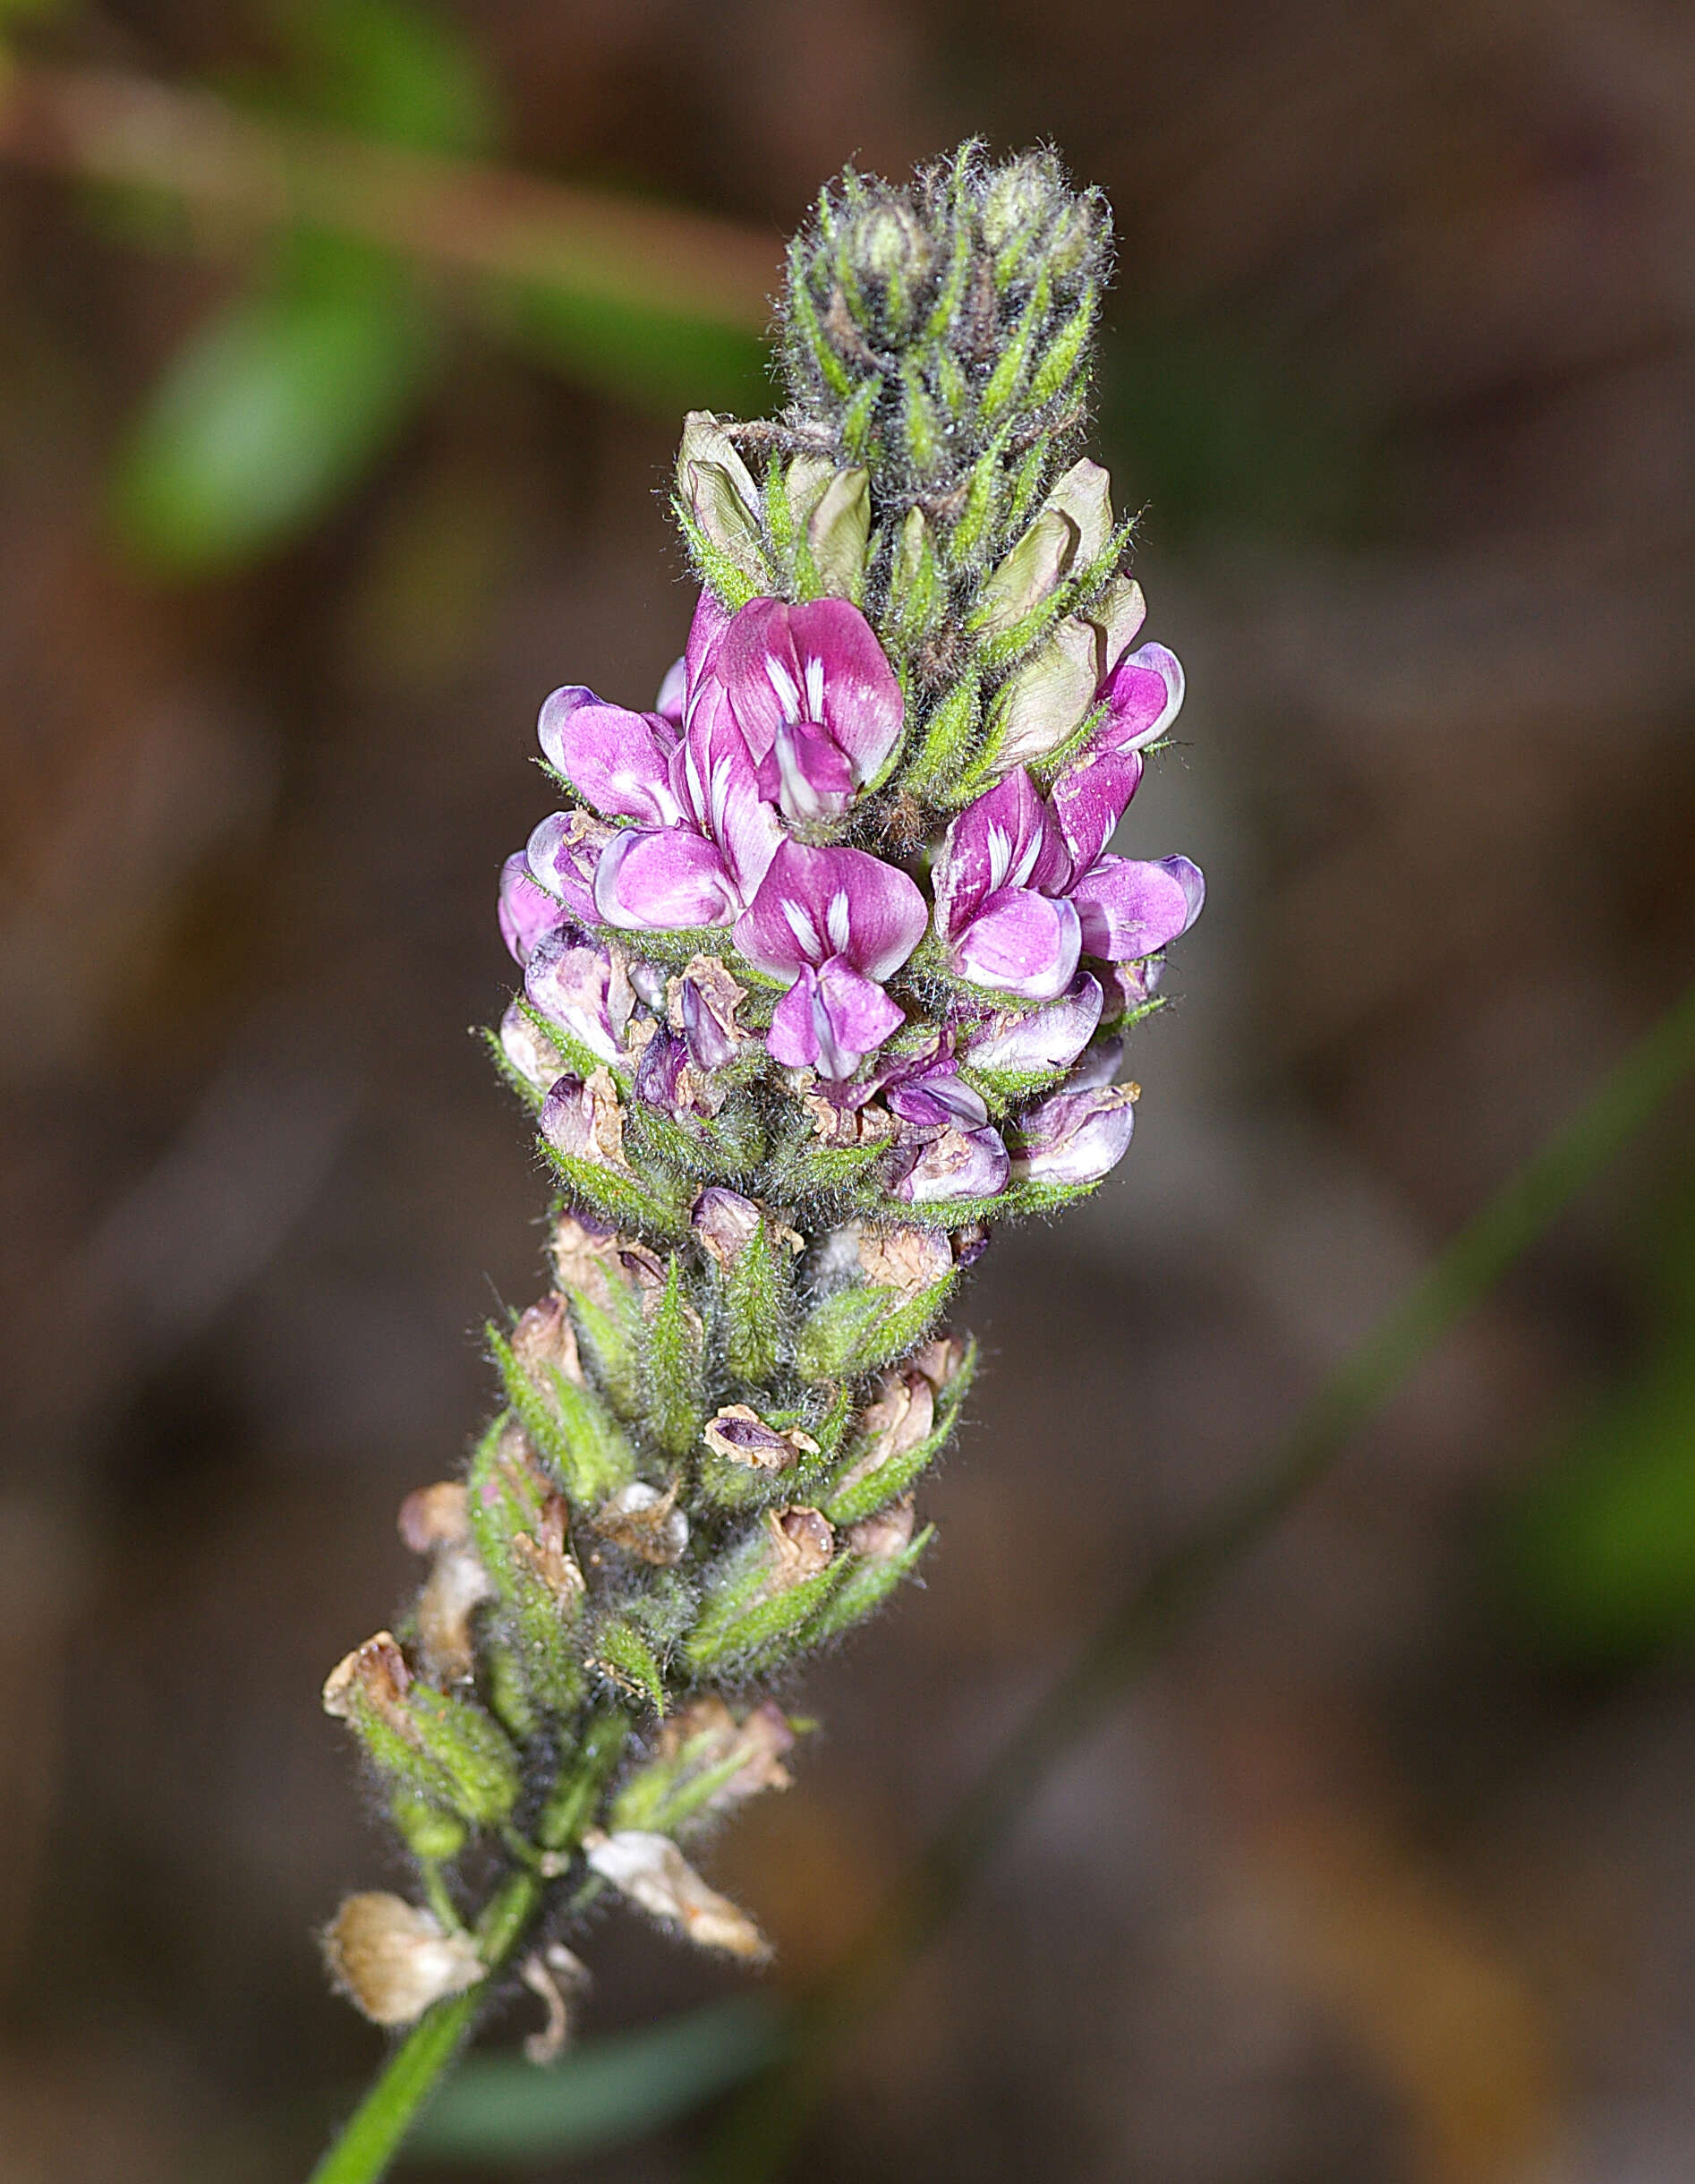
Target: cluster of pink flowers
767, 730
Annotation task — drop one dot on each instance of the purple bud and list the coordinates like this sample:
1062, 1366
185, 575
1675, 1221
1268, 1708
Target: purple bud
1074, 1136
957, 1165
1130, 986
1013, 1042
1098, 1066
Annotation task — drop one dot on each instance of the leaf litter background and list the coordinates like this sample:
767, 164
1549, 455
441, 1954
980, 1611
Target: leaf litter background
1385, 1876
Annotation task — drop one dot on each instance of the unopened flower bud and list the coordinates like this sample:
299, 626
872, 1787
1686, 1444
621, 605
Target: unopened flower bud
838, 531
883, 1536
1130, 986
563, 855
645, 1523
890, 243
393, 1959
1070, 533
654, 1874
718, 489
740, 1433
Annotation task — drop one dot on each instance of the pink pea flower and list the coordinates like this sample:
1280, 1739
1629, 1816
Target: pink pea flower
832, 924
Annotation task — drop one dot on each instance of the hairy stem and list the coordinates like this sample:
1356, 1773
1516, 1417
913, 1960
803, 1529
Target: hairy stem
369, 2141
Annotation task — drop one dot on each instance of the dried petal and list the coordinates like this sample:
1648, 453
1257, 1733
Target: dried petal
653, 1874
435, 1516
393, 1959
645, 1523
742, 1434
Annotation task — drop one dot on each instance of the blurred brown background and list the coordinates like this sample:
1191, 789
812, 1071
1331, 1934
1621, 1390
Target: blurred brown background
1388, 1877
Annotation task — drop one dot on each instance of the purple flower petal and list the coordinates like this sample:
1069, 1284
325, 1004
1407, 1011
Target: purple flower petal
819, 662
525, 910
957, 1164
807, 774
1006, 838
1097, 1068
615, 759
1089, 800
569, 980
1049, 1038
814, 904
1074, 1136
935, 1098
663, 879
564, 854
706, 634
1131, 985
673, 693
830, 1020
1020, 943
712, 780
1144, 694
1129, 907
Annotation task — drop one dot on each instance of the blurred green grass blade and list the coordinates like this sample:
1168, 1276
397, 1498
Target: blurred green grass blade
650, 358
602, 2095
387, 69
1599, 1551
273, 409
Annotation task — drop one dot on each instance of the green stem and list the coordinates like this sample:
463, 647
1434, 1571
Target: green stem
373, 2134
762, 2127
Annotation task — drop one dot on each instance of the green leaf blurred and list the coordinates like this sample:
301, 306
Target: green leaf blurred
384, 69
603, 2094
270, 413
652, 358
1598, 1551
